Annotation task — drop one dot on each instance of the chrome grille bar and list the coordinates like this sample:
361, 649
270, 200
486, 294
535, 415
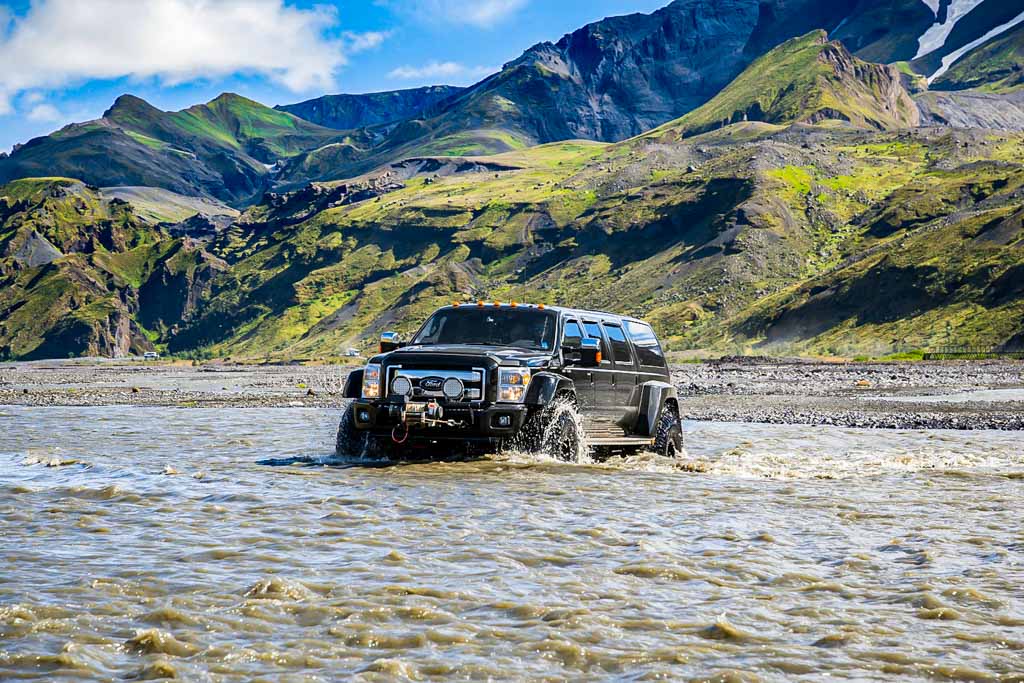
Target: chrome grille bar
474, 380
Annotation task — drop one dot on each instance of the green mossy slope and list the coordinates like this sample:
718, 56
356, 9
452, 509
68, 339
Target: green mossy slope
221, 149
806, 79
75, 269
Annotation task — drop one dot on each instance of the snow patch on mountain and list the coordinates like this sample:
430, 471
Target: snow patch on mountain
950, 59
937, 34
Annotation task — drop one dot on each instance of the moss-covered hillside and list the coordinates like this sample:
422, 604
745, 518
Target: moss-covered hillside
807, 79
83, 274
825, 223
808, 238
224, 149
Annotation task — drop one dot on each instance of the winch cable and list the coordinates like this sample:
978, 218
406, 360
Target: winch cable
405, 437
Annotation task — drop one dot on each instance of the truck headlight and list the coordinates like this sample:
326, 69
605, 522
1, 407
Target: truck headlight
371, 381
512, 384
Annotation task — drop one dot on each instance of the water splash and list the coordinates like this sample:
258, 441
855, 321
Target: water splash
538, 440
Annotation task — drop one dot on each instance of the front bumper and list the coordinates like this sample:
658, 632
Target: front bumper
479, 420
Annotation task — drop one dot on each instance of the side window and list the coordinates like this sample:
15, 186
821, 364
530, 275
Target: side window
647, 347
620, 347
594, 332
572, 334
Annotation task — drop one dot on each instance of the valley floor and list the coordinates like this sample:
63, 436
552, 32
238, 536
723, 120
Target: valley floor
963, 395
934, 395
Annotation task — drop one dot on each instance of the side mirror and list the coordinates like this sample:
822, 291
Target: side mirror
389, 341
590, 353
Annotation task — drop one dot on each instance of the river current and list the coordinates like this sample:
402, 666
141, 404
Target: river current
227, 545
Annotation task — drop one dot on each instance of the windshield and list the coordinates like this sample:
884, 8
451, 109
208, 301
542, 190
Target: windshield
523, 328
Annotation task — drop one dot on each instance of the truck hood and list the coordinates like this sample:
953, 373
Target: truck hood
455, 353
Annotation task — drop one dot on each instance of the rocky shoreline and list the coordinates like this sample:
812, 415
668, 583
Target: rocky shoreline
948, 395
903, 395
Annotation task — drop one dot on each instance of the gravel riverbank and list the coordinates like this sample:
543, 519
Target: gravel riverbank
939, 395
948, 395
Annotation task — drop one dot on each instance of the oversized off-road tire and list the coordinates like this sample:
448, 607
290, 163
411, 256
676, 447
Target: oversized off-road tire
351, 443
359, 445
562, 435
668, 440
552, 430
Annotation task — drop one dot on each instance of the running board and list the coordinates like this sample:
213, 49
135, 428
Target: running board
607, 433
631, 441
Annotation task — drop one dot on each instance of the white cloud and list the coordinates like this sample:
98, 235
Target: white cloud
44, 112
481, 13
440, 70
360, 42
60, 42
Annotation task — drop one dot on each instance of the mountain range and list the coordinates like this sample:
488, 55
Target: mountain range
791, 175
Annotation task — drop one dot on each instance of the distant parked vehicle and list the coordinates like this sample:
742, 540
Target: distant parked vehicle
151, 355
352, 353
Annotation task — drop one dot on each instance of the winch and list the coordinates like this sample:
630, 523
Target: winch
414, 414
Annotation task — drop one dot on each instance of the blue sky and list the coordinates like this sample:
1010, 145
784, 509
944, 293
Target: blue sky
66, 60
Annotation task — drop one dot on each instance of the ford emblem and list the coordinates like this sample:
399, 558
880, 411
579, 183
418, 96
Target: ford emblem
432, 383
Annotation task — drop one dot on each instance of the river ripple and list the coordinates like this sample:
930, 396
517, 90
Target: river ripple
225, 545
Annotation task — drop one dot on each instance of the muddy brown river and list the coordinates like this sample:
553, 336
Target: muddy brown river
227, 545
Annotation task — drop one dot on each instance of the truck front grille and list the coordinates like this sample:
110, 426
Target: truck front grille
429, 382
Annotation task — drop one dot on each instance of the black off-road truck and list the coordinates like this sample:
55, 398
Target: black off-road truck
482, 377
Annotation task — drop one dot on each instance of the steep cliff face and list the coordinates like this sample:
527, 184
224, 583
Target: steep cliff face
83, 274
619, 77
886, 30
344, 112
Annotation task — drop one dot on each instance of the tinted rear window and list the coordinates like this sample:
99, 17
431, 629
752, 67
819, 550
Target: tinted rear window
646, 343
620, 347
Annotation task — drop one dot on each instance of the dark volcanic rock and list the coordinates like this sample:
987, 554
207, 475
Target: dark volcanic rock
345, 112
973, 109
624, 75
200, 226
36, 251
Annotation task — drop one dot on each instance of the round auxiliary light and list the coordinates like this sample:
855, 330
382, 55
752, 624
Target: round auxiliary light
453, 388
401, 386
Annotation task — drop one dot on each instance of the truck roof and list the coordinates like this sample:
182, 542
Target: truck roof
581, 312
